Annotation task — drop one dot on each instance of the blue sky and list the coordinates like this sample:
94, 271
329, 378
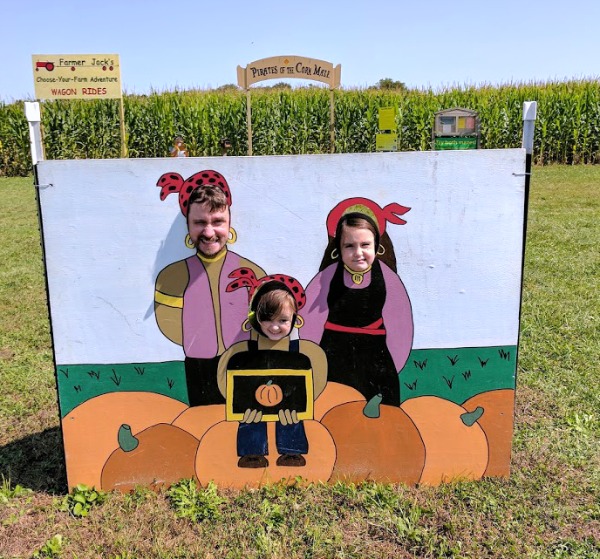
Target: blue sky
423, 43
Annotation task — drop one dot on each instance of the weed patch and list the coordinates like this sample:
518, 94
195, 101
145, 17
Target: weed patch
81, 500
196, 504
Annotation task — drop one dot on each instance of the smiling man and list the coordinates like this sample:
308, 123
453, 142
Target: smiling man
191, 304
208, 221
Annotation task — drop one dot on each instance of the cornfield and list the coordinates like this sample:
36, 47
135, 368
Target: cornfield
296, 121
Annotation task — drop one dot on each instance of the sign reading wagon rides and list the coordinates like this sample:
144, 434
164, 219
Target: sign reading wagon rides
76, 76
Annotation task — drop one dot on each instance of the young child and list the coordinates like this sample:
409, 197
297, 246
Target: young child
178, 149
271, 361
358, 309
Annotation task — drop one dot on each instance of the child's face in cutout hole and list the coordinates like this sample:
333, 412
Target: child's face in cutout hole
357, 248
279, 326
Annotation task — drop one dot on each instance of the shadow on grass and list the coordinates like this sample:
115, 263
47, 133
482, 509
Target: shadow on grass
36, 462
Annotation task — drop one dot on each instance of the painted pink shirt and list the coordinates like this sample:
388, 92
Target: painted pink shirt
199, 324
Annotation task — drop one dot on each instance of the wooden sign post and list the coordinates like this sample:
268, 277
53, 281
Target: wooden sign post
283, 67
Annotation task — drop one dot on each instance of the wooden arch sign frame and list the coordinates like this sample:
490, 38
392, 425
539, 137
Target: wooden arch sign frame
284, 67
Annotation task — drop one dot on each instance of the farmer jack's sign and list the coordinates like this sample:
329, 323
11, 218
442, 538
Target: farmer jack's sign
76, 76
80, 76
283, 67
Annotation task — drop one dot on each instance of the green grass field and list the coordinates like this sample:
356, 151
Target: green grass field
548, 508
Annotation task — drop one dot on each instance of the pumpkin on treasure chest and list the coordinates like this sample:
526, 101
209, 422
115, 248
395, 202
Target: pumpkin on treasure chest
497, 422
89, 430
269, 394
217, 458
455, 444
376, 442
158, 456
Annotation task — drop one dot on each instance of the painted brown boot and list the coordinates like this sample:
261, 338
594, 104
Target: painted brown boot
291, 460
253, 461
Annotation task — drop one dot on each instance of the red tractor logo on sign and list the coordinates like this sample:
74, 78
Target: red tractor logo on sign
48, 65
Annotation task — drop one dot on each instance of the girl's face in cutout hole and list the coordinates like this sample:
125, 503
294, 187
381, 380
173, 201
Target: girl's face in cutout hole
357, 248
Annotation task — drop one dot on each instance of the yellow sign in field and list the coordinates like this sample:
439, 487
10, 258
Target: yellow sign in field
77, 76
386, 142
387, 118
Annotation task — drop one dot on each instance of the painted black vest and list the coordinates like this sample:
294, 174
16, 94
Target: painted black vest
354, 338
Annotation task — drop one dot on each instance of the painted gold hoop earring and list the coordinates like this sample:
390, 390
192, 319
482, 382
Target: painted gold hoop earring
299, 322
233, 238
380, 250
246, 326
334, 254
188, 242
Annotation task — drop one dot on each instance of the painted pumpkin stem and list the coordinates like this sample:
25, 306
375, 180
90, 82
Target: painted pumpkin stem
127, 441
269, 383
470, 418
372, 407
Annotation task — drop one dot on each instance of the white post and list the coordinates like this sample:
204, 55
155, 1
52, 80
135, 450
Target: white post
529, 116
33, 115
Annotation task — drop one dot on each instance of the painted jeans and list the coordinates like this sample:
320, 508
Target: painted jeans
252, 439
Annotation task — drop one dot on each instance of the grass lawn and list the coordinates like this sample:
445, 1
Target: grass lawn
548, 508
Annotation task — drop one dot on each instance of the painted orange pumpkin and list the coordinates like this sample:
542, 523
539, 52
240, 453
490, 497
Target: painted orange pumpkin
335, 394
455, 444
89, 430
158, 456
199, 419
269, 394
385, 447
497, 422
217, 458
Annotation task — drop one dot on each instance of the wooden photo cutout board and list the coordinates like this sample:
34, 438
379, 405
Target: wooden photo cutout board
410, 364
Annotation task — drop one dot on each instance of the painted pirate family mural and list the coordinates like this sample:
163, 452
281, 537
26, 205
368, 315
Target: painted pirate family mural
341, 346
